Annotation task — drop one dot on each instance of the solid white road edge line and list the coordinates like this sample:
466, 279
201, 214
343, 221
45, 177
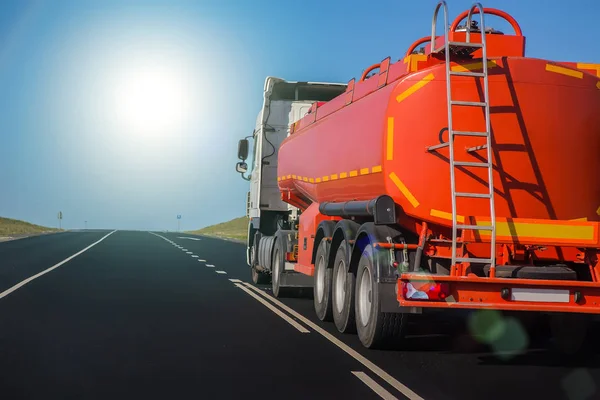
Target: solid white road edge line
26, 281
374, 386
353, 353
274, 309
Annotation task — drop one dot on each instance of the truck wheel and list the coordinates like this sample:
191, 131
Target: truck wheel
343, 284
322, 284
277, 267
376, 329
259, 278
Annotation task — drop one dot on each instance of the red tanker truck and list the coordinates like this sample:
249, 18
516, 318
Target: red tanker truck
461, 176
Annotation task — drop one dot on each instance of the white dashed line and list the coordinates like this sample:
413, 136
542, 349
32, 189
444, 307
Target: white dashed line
376, 387
188, 252
221, 272
201, 260
194, 256
184, 249
210, 265
235, 280
274, 309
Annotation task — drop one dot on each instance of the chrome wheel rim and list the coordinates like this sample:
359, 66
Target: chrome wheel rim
276, 268
340, 286
364, 297
321, 279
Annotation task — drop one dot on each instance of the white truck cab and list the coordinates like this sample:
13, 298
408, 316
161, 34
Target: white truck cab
284, 102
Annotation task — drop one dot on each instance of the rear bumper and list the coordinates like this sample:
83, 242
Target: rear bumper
507, 294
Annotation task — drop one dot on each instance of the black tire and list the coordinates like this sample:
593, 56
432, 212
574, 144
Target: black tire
277, 268
342, 291
376, 329
322, 283
259, 278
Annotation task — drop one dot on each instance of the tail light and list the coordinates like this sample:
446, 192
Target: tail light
425, 291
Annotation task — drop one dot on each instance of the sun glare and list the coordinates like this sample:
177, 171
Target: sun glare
152, 99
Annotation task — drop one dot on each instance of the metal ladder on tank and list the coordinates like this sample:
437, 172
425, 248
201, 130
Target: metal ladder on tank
462, 48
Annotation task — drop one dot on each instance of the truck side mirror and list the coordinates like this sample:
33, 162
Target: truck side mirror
241, 167
243, 149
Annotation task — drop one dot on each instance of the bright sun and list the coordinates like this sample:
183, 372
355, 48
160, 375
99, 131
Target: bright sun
152, 99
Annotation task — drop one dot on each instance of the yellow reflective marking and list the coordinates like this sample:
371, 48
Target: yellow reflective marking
413, 61
473, 66
305, 179
278, 179
375, 169
404, 189
334, 177
311, 180
414, 88
325, 178
584, 219
289, 176
564, 71
364, 171
343, 175
354, 173
590, 66
541, 231
293, 176
445, 215
318, 180
390, 139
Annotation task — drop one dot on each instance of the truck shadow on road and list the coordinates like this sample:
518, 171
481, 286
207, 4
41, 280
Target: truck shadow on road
516, 343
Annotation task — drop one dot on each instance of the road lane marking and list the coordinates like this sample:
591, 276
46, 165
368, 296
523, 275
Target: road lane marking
374, 386
235, 281
31, 278
189, 238
221, 272
194, 256
274, 309
210, 265
201, 260
351, 352
184, 249
188, 252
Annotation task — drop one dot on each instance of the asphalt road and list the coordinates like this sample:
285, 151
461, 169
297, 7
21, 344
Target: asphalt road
160, 315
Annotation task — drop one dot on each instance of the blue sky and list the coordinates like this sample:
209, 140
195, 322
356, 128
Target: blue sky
80, 133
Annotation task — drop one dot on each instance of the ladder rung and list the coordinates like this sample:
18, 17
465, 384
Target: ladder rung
466, 133
438, 146
468, 103
476, 148
471, 164
476, 227
464, 44
473, 195
474, 260
466, 73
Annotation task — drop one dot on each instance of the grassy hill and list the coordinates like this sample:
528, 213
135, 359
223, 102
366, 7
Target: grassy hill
235, 229
13, 227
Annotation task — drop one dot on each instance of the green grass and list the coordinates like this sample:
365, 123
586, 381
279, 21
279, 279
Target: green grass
235, 229
11, 227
